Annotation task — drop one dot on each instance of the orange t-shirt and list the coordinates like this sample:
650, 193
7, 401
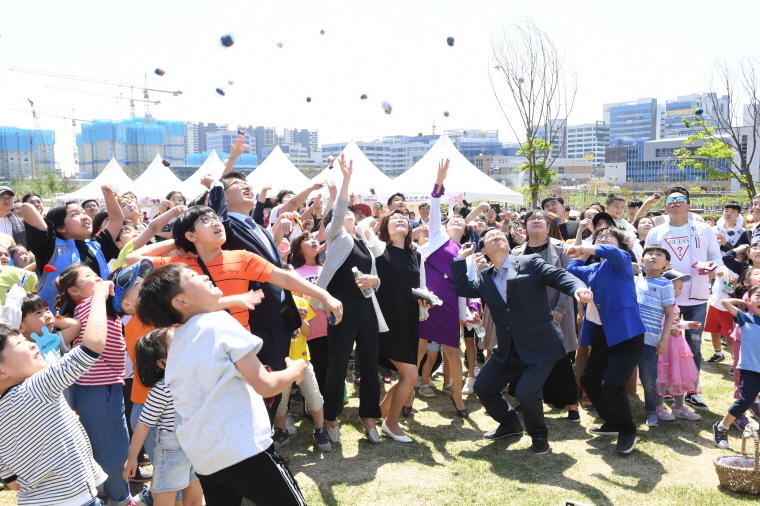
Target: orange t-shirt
133, 331
231, 271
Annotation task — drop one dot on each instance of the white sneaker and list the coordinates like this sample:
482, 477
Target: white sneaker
469, 385
418, 384
333, 434
290, 426
476, 371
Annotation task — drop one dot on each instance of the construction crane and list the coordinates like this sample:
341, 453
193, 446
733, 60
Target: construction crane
132, 101
132, 87
41, 154
73, 127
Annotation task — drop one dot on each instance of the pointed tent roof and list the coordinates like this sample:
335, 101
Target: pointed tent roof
112, 174
192, 186
463, 177
277, 170
364, 177
157, 181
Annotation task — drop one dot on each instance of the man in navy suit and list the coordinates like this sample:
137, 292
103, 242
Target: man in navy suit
529, 340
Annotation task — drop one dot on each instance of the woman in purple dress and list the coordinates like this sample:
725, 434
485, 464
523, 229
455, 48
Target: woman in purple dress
442, 326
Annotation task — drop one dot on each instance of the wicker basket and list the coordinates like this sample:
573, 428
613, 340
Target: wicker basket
734, 476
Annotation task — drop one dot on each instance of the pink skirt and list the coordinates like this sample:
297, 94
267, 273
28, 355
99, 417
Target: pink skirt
676, 372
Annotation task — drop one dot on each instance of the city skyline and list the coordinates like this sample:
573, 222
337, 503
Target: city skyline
395, 51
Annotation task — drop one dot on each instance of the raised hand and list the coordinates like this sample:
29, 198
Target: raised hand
466, 250
347, 170
238, 147
207, 180
109, 189
332, 189
443, 170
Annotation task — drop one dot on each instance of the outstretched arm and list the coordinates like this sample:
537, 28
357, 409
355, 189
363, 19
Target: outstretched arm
236, 150
115, 214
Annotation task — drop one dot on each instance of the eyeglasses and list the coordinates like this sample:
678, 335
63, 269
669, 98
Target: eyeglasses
604, 236
670, 200
6, 198
240, 183
207, 219
536, 218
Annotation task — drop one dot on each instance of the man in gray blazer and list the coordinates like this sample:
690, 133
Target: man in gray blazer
529, 340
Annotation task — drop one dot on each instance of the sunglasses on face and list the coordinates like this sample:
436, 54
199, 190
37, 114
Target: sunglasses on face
670, 200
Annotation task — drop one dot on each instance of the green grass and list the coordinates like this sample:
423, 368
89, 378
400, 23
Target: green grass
450, 464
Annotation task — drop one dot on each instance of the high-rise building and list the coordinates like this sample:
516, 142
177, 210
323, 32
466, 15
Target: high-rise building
222, 140
674, 111
191, 138
632, 121
132, 142
306, 138
392, 155
266, 140
21, 156
556, 133
588, 140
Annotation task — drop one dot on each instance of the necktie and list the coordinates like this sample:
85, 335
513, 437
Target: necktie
260, 235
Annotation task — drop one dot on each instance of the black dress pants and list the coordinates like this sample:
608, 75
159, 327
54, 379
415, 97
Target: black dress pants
359, 324
605, 376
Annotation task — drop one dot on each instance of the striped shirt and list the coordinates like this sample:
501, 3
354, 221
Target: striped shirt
653, 295
158, 410
43, 446
110, 368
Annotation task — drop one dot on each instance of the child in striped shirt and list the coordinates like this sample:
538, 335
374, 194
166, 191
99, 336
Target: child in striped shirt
172, 470
46, 455
98, 395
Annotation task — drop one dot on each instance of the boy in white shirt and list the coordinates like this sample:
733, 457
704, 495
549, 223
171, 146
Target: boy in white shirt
231, 449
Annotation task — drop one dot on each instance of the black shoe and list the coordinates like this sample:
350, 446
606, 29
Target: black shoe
320, 438
461, 413
141, 475
695, 401
280, 437
504, 431
357, 378
716, 358
406, 410
626, 443
573, 416
604, 430
143, 460
540, 445
386, 379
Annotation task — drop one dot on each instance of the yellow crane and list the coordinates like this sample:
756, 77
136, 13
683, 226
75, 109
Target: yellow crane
96, 93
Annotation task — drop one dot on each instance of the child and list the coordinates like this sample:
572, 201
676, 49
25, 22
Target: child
172, 470
615, 207
719, 322
749, 362
36, 315
655, 297
233, 455
676, 372
97, 395
61, 239
299, 349
39, 423
728, 230
21, 257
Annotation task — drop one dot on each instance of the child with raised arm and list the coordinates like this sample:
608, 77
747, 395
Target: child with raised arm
38, 422
230, 449
749, 362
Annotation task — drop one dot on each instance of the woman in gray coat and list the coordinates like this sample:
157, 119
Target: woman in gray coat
560, 388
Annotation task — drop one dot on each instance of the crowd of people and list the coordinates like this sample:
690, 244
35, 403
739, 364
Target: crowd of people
185, 342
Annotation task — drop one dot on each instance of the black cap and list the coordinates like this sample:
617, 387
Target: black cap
602, 216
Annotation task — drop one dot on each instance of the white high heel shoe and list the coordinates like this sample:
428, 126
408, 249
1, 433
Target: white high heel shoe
400, 439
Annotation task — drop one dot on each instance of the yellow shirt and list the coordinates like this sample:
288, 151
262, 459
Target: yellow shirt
298, 346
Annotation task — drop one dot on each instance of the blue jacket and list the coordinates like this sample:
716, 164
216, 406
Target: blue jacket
614, 295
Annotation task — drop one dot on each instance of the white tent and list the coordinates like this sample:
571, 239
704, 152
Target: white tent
192, 186
112, 174
364, 177
157, 181
278, 172
463, 177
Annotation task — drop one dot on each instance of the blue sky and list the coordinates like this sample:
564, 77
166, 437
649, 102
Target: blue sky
390, 50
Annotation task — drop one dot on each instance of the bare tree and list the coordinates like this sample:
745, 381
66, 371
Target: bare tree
529, 74
728, 145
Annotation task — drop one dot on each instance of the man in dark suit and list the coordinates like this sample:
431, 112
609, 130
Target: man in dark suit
529, 340
10, 224
233, 200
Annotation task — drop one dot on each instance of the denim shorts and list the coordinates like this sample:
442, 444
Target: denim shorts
433, 346
172, 470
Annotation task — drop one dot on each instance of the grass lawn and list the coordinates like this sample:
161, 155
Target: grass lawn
450, 464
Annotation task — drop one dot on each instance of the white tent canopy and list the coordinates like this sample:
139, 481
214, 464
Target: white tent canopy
112, 174
157, 181
278, 172
192, 186
463, 177
364, 177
